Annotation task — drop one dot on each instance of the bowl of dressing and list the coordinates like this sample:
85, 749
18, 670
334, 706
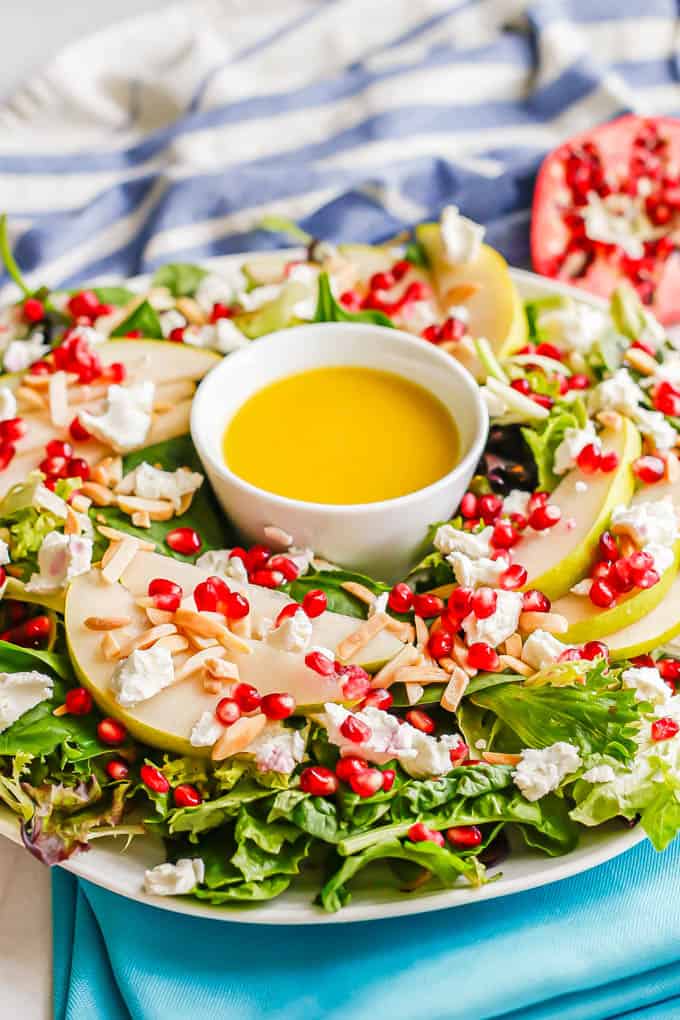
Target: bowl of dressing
352, 438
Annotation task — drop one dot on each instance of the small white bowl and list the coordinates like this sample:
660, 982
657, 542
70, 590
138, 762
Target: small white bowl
382, 539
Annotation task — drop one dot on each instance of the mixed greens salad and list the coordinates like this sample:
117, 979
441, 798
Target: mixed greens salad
267, 713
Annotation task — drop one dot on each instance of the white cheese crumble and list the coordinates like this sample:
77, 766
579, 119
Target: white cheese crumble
142, 675
150, 482
419, 315
126, 422
516, 502
20, 692
218, 561
60, 558
599, 774
472, 573
22, 353
293, 634
542, 649
540, 771
379, 604
500, 625
662, 555
653, 425
448, 540
4, 553
574, 324
418, 753
618, 393
573, 442
8, 403
174, 879
228, 337
654, 521
581, 486
219, 288
206, 731
170, 320
461, 236
277, 749
647, 683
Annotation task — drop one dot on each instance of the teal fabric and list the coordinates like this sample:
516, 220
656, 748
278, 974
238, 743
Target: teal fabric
602, 945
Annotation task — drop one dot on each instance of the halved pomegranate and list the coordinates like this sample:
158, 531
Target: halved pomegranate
607, 208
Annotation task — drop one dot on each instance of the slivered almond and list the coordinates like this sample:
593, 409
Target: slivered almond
238, 736
120, 561
513, 645
402, 629
626, 545
671, 468
455, 689
422, 635
422, 674
58, 400
119, 536
36, 382
88, 393
109, 553
553, 623
641, 361
196, 662
460, 293
108, 472
185, 502
141, 519
221, 669
211, 686
516, 665
109, 647
414, 692
360, 591
191, 310
80, 503
174, 643
107, 622
204, 626
157, 509
29, 399
158, 616
497, 758
201, 642
71, 524
147, 638
277, 537
60, 710
406, 656
611, 420
447, 664
362, 636
99, 494
242, 628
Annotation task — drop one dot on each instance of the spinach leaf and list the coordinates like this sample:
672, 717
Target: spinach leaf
244, 892
113, 295
181, 278
328, 309
145, 319
38, 732
416, 255
330, 582
211, 814
313, 815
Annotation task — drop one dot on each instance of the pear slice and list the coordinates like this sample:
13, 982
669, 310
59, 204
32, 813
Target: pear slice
559, 557
650, 632
167, 719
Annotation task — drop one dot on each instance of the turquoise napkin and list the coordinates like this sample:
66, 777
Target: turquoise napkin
604, 944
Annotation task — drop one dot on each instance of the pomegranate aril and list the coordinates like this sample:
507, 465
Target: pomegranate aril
228, 711
421, 833
186, 795
549, 351
315, 603
355, 683
7, 452
163, 586
513, 578
601, 594
544, 517
401, 269
504, 535
381, 281
537, 499
184, 541
78, 432
594, 650
459, 753
379, 698
111, 732
490, 507
285, 566
388, 779
649, 469
608, 546
440, 644
644, 660
237, 606
648, 579
420, 720
154, 779
33, 633
292, 609
609, 462
350, 765
78, 701
367, 782
84, 304
522, 386
116, 770
78, 467
400, 598
54, 467
278, 706
319, 781
266, 578
13, 429
320, 663
578, 381
355, 730
176, 335
469, 505
664, 729
464, 836
589, 459
246, 697
33, 310
669, 669
481, 655
483, 603
621, 577
257, 556
534, 601
427, 605
459, 604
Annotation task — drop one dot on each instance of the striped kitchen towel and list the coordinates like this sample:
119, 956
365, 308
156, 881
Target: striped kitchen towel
169, 136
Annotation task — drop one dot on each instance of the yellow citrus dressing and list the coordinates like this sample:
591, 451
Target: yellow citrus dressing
343, 434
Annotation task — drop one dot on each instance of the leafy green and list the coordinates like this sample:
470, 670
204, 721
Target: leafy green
328, 309
143, 318
314, 815
330, 582
244, 892
545, 436
181, 278
211, 814
265, 849
114, 295
8, 259
66, 816
533, 311
39, 732
282, 225
416, 255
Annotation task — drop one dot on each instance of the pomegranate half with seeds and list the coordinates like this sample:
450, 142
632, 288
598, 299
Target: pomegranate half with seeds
607, 209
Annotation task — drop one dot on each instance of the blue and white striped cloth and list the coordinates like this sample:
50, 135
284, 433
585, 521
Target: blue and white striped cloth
169, 136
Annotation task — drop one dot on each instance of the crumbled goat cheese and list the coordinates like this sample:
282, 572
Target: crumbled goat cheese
89, 334
22, 353
574, 325
308, 276
419, 315
206, 731
150, 482
448, 540
174, 879
4, 553
142, 675
251, 300
653, 425
599, 774
460, 312
218, 561
500, 625
542, 649
8, 403
516, 502
582, 587
573, 442
418, 753
618, 393
462, 237
20, 692
662, 555
220, 288
126, 422
277, 749
172, 319
647, 683
472, 573
60, 558
293, 634
540, 771
654, 521
228, 337
379, 604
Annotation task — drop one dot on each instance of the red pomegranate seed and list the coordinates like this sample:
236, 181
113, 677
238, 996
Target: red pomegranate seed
620, 576
237, 606
13, 429
549, 351
355, 684
388, 779
578, 381
601, 594
609, 462
421, 833
186, 795
608, 546
41, 368
185, 541
162, 586
569, 655
133, 334
78, 467
459, 753
440, 644
350, 765
420, 720
84, 304
168, 603
464, 835
504, 535
400, 599
257, 556
78, 701
111, 732
427, 605
469, 506
266, 578
544, 517
594, 650
459, 604
490, 508
285, 566
537, 499
367, 782
664, 729
33, 633
246, 697
319, 781
644, 660
667, 399
228, 711
351, 300
379, 698
401, 269
355, 730
320, 663
669, 669
482, 656
648, 579
278, 706
315, 603
589, 459
154, 779
77, 431
176, 335
534, 601
483, 603
292, 609
116, 770
54, 467
542, 400
649, 469
381, 281
522, 386
513, 578
33, 310
220, 311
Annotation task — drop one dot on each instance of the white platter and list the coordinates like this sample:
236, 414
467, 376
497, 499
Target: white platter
107, 866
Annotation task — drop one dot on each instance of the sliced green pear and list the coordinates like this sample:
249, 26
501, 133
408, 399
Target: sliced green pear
167, 719
273, 315
559, 557
650, 632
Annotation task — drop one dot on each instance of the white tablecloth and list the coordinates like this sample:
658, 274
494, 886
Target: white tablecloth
25, 936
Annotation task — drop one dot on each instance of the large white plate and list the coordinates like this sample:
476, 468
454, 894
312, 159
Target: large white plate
121, 872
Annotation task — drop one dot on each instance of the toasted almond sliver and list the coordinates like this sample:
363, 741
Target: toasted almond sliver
497, 758
513, 646
99, 494
362, 636
455, 689
672, 468
118, 536
107, 622
157, 509
406, 656
174, 643
611, 420
185, 502
109, 553
36, 382
109, 647
516, 665
108, 471
158, 616
401, 629
147, 638
221, 669
201, 642
80, 503
196, 662
414, 692
626, 546
29, 399
459, 655
71, 524
191, 310
60, 710
421, 675
242, 628
238, 736
120, 561
553, 623
422, 634
460, 293
204, 626
360, 591
211, 686
141, 519
277, 537
447, 664
641, 361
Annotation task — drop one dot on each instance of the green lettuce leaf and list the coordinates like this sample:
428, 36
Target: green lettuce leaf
114, 295
145, 319
314, 815
545, 436
245, 892
330, 582
328, 309
181, 278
